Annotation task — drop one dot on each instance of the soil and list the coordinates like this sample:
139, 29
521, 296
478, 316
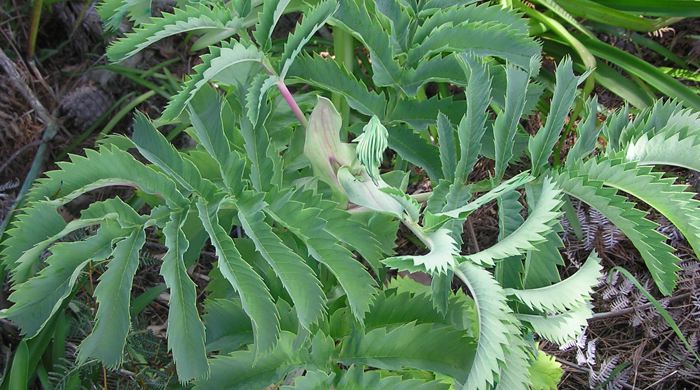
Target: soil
626, 337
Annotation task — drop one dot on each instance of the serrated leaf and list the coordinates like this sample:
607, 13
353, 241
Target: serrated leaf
587, 134
313, 20
113, 294
257, 92
309, 224
297, 278
267, 20
254, 294
506, 125
567, 294
218, 60
193, 17
446, 351
670, 199
185, 329
642, 232
332, 76
473, 125
354, 17
563, 327
536, 226
542, 144
37, 300
448, 150
479, 38
442, 250
496, 324
545, 372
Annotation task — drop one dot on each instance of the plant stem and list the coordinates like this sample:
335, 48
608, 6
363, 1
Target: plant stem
291, 102
34, 27
343, 48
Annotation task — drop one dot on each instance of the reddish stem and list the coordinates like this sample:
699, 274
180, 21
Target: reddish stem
291, 102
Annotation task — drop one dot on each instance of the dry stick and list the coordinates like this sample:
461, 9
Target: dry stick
611, 314
49, 132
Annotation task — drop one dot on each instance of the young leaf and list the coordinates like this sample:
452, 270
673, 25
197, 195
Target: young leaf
506, 125
542, 144
448, 151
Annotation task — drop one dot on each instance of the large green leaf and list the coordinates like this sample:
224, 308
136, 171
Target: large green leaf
433, 347
332, 76
506, 124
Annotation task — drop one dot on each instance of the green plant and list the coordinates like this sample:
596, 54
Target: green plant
300, 291
573, 28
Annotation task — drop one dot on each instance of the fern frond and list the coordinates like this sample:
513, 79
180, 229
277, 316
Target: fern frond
255, 296
194, 17
642, 232
496, 325
670, 199
543, 215
297, 277
569, 293
560, 328
113, 294
218, 60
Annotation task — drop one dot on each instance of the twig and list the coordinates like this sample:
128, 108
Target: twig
49, 132
629, 310
17, 153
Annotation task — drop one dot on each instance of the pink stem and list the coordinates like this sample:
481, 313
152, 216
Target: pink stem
291, 102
